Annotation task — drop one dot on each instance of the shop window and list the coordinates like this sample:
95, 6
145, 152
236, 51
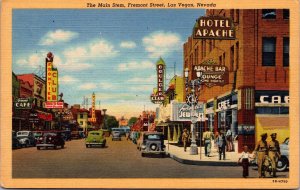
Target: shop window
81, 116
269, 51
286, 14
269, 14
286, 52
272, 110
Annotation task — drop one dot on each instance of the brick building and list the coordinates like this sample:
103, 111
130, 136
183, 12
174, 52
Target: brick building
256, 99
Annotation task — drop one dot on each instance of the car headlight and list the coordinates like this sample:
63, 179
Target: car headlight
143, 147
22, 140
50, 138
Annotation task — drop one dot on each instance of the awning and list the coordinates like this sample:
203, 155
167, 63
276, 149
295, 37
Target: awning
162, 124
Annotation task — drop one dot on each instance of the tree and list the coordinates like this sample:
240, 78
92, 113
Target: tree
111, 122
132, 120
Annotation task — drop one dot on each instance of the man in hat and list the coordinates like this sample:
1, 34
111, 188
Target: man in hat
221, 141
274, 152
185, 138
206, 138
261, 149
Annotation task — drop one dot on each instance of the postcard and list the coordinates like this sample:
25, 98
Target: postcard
150, 94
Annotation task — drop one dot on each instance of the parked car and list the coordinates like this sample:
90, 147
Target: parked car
50, 139
95, 138
115, 135
15, 141
37, 134
26, 138
153, 143
283, 162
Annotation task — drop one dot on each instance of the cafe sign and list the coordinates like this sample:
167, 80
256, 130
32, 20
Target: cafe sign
23, 103
214, 27
212, 74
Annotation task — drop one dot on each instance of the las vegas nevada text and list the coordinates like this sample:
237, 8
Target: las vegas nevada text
150, 93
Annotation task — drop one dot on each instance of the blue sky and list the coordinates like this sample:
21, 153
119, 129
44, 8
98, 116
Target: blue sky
109, 52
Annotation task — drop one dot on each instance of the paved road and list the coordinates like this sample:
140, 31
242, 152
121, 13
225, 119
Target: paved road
120, 159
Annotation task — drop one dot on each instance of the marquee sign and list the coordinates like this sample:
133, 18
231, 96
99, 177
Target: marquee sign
51, 105
214, 27
51, 80
157, 96
212, 74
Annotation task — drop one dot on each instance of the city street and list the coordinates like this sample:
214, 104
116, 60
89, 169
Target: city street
119, 159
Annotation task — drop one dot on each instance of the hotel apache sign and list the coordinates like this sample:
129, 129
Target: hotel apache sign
158, 95
212, 74
214, 27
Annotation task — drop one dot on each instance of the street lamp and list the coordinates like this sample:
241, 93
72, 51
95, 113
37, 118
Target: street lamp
104, 110
192, 100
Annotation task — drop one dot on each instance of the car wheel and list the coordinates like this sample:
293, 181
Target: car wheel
143, 154
62, 146
282, 164
86, 146
103, 145
38, 148
162, 155
55, 147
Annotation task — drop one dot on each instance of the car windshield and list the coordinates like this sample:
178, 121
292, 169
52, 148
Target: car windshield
94, 133
21, 133
49, 134
153, 137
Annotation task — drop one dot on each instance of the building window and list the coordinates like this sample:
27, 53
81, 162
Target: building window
231, 58
224, 58
220, 60
269, 14
286, 14
269, 51
232, 14
237, 55
237, 15
81, 122
286, 52
210, 45
196, 55
272, 110
204, 48
81, 116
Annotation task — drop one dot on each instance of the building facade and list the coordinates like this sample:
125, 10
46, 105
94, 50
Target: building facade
256, 99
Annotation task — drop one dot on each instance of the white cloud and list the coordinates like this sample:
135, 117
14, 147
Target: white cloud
58, 36
142, 88
33, 60
67, 79
108, 85
152, 78
128, 44
162, 43
134, 65
87, 86
97, 49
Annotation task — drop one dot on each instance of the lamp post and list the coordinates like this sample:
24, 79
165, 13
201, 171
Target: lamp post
192, 100
104, 110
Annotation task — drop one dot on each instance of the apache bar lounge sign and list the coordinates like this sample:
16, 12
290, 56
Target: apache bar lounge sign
212, 74
214, 27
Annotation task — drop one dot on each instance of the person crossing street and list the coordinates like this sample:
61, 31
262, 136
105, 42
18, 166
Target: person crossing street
274, 152
261, 149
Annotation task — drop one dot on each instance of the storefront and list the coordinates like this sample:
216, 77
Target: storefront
272, 114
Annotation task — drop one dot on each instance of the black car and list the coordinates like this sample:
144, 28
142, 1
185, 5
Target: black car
153, 143
51, 139
15, 141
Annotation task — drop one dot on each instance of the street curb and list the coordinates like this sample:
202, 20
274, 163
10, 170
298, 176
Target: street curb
201, 163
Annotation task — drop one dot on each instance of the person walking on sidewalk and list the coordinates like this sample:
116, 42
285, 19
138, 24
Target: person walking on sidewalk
245, 161
261, 149
274, 152
221, 141
185, 138
229, 144
215, 140
206, 138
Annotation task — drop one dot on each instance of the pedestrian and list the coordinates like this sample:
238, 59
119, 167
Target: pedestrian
261, 149
229, 144
215, 140
245, 161
274, 152
221, 141
206, 138
185, 138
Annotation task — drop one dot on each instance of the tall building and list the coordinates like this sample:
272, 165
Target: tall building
256, 99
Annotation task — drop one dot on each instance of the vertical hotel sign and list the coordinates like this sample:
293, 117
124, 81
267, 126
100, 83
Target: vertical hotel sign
157, 96
51, 80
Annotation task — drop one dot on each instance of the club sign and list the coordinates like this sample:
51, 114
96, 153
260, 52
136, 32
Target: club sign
157, 97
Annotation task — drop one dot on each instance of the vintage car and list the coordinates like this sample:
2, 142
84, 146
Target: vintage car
26, 138
153, 143
37, 134
115, 135
15, 141
95, 138
50, 139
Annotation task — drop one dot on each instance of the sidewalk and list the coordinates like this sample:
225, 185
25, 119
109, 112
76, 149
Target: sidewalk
178, 154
